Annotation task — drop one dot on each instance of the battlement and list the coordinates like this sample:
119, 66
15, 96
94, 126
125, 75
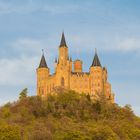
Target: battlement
80, 74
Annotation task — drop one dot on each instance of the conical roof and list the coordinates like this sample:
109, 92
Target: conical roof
43, 63
63, 41
96, 61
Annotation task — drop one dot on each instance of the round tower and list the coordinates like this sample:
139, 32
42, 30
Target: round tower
96, 76
42, 75
78, 66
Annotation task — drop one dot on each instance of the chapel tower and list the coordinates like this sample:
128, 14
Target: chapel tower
64, 65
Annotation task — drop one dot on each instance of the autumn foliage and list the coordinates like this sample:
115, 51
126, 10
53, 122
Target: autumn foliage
67, 116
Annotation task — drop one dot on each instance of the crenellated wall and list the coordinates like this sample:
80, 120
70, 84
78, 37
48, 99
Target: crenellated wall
80, 82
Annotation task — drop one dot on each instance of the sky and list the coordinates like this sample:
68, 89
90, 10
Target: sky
111, 26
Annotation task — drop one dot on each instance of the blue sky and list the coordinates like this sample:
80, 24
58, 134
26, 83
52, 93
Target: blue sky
111, 26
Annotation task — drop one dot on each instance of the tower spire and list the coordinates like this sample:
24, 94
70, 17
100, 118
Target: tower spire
63, 41
95, 50
42, 51
96, 61
43, 63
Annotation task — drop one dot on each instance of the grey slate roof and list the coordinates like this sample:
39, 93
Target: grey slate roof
43, 63
63, 41
96, 61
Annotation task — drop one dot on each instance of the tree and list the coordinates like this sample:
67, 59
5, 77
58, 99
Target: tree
104, 133
67, 116
40, 132
23, 94
9, 132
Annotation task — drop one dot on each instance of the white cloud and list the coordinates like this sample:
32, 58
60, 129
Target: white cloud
87, 43
59, 10
32, 6
123, 44
32, 47
28, 46
18, 71
82, 43
129, 44
21, 69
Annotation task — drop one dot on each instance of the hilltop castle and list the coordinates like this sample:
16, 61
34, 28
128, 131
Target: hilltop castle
92, 82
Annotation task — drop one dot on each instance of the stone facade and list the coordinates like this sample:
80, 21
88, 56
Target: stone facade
93, 82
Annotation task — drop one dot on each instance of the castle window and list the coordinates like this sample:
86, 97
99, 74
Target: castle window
62, 81
42, 92
39, 90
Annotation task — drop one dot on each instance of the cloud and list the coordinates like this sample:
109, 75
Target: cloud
82, 43
87, 43
59, 10
32, 6
122, 44
18, 71
28, 46
129, 44
32, 47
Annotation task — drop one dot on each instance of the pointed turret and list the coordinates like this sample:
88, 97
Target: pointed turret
42, 75
63, 41
43, 63
96, 61
63, 51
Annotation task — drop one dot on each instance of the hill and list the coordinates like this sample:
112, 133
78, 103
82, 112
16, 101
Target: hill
67, 116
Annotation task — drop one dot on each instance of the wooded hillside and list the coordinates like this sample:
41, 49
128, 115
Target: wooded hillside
67, 116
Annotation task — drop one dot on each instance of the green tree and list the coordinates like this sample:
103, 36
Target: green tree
9, 132
104, 133
40, 132
23, 94
67, 116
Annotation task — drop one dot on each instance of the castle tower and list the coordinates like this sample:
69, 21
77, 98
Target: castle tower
96, 80
78, 65
64, 67
63, 51
42, 75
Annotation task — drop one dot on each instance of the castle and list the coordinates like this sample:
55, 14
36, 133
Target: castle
69, 74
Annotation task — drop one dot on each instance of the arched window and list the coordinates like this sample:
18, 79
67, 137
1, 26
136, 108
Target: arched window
39, 90
42, 91
62, 81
